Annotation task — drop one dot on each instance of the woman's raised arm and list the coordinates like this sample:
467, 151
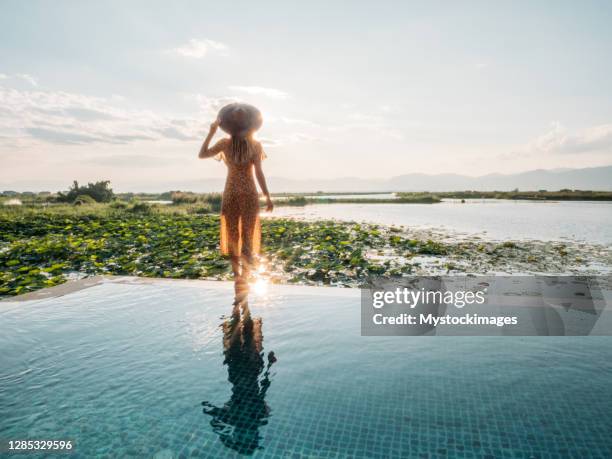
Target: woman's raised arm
206, 152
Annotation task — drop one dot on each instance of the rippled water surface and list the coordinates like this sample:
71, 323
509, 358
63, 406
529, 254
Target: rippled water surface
490, 218
123, 369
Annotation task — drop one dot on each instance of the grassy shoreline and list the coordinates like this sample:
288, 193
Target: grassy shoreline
42, 247
212, 201
427, 196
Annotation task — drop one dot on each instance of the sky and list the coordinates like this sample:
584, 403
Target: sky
126, 90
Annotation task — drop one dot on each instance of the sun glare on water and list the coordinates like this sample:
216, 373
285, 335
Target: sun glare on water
260, 287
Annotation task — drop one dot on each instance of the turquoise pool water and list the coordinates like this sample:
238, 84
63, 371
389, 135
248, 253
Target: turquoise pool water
124, 367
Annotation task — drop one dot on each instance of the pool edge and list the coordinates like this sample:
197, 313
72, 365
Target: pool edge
73, 286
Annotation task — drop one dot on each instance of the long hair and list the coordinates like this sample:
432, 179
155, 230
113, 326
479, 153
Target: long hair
240, 121
239, 152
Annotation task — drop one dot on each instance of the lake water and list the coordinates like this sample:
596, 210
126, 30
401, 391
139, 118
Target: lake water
157, 369
489, 218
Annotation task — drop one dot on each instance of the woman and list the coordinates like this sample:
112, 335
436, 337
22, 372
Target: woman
240, 227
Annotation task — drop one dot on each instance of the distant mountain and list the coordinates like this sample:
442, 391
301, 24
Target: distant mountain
592, 178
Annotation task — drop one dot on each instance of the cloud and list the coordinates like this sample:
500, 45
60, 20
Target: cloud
20, 76
88, 114
210, 106
68, 118
258, 90
171, 132
29, 78
559, 140
128, 160
35, 117
59, 136
198, 49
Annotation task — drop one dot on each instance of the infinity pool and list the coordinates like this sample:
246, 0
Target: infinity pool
134, 368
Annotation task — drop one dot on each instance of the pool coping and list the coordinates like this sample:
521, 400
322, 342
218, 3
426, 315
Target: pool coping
73, 286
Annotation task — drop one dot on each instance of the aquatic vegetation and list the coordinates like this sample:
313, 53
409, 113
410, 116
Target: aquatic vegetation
200, 209
38, 249
42, 247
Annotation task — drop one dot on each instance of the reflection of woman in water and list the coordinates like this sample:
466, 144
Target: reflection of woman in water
238, 421
240, 227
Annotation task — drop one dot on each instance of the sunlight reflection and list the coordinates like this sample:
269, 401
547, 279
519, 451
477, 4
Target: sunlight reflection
260, 287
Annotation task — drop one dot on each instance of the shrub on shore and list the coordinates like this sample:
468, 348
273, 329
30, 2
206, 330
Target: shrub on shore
418, 198
84, 199
212, 200
140, 207
98, 192
202, 209
181, 197
295, 201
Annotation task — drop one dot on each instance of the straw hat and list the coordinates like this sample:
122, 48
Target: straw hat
239, 119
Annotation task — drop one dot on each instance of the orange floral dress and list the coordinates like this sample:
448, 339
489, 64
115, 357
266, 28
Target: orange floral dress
240, 226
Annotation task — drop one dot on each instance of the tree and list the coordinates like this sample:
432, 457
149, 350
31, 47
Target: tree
99, 192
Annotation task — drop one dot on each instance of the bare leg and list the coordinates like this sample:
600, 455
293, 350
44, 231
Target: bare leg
232, 224
247, 257
246, 268
235, 266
